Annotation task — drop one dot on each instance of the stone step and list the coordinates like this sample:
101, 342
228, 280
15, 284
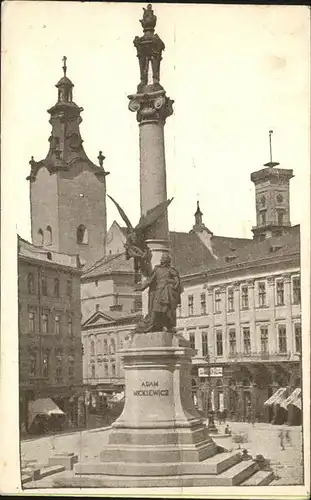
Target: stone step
51, 469
259, 478
26, 478
212, 465
238, 473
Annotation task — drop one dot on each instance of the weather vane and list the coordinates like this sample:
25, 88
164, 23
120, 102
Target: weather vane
270, 144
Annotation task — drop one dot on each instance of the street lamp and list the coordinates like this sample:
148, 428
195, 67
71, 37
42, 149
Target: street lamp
208, 390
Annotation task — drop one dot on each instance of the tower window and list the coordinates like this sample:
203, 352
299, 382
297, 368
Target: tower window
49, 235
40, 237
92, 348
44, 285
280, 218
56, 287
82, 235
263, 201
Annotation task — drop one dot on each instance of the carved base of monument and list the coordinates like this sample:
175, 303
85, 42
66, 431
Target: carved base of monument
160, 440
159, 431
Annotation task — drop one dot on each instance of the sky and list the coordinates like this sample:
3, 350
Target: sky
234, 72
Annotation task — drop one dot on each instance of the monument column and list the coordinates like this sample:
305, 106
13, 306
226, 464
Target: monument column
152, 107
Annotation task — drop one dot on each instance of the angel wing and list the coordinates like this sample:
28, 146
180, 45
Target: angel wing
153, 214
122, 213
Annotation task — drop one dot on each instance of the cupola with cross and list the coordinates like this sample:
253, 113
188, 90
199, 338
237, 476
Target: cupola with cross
67, 190
272, 198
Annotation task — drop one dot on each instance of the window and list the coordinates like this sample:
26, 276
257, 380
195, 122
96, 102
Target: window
31, 321
106, 370
192, 340
190, 305
69, 287
280, 218
296, 290
113, 369
282, 339
219, 345
59, 363
217, 301
232, 341
112, 346
247, 340
57, 324
56, 287
105, 349
298, 337
93, 370
230, 300
33, 364
46, 364
44, 321
96, 282
203, 303
263, 201
279, 198
264, 341
44, 285
92, 348
40, 237
179, 311
30, 283
82, 235
280, 293
71, 361
263, 217
204, 344
262, 294
244, 297
49, 235
96, 307
70, 329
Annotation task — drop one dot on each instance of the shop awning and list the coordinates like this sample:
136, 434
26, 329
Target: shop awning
293, 399
44, 406
277, 398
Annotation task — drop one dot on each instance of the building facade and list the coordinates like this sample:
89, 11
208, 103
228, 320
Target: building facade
50, 350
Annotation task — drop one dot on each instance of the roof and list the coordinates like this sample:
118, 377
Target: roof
111, 318
110, 264
190, 255
64, 81
270, 249
28, 250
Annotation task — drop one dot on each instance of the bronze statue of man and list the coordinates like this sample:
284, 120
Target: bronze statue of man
164, 297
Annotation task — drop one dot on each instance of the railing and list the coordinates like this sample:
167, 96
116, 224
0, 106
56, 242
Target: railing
262, 355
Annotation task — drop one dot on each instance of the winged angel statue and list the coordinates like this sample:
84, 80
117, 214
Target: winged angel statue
135, 245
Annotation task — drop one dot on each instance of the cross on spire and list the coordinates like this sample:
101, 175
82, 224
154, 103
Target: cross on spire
65, 65
100, 158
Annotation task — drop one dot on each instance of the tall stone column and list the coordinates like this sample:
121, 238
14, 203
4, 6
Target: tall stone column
152, 107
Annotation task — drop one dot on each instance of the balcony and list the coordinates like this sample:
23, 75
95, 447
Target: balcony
254, 356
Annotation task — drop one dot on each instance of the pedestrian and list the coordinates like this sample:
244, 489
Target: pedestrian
281, 436
288, 438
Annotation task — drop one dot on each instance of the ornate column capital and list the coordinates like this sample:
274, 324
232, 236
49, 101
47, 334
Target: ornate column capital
151, 107
270, 280
286, 277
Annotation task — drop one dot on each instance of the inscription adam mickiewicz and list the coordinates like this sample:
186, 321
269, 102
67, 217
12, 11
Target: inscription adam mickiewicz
154, 391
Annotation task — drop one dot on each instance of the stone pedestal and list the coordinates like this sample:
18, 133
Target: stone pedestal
159, 431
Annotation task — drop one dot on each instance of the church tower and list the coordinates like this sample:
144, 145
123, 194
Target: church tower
272, 199
67, 190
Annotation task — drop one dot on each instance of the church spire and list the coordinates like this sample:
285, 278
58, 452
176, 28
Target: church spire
198, 215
